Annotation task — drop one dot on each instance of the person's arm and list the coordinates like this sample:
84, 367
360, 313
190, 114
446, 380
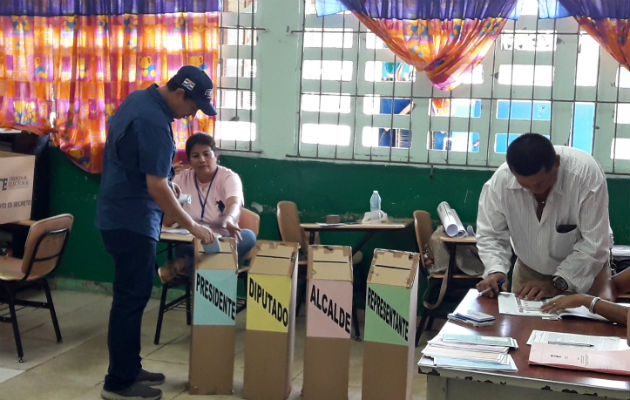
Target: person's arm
493, 240
232, 213
621, 283
163, 196
591, 251
611, 311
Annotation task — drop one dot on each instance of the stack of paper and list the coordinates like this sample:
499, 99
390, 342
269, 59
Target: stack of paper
512, 305
472, 317
488, 353
608, 354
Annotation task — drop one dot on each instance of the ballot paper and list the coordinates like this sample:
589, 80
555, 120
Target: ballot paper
469, 351
581, 358
176, 231
512, 305
604, 343
450, 220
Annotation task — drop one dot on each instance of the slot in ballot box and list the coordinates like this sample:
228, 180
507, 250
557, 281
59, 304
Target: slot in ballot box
270, 322
16, 186
211, 367
328, 323
390, 325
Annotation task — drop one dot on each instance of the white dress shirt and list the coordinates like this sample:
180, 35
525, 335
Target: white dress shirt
507, 216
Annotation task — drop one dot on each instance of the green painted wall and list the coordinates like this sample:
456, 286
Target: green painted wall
319, 188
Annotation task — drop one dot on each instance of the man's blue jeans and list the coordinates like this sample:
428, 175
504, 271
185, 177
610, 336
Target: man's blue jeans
134, 266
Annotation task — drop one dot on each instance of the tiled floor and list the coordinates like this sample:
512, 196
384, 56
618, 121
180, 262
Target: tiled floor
75, 368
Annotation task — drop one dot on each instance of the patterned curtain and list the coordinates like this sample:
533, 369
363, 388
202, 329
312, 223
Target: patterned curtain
443, 38
73, 63
607, 21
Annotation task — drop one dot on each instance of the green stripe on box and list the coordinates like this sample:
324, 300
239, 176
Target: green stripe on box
387, 314
215, 297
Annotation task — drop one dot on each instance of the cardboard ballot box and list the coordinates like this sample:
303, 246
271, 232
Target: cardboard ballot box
270, 323
16, 186
328, 323
390, 325
211, 368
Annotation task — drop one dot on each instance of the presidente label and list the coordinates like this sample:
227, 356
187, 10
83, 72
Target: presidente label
387, 314
215, 297
329, 309
268, 303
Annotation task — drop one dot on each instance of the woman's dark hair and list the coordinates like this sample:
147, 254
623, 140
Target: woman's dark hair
203, 139
529, 153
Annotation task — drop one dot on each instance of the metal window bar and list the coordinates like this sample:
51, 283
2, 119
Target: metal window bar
489, 102
241, 40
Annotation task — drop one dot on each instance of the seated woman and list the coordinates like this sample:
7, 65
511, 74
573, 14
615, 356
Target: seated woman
620, 283
216, 199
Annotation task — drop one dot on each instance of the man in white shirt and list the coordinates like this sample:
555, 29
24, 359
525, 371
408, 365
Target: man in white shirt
550, 204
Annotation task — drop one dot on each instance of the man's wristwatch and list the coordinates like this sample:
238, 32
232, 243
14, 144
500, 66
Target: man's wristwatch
559, 283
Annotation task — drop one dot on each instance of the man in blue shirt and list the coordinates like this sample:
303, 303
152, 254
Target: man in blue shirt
135, 191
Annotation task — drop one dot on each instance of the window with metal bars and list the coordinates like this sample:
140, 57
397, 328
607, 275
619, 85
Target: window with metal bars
236, 98
359, 102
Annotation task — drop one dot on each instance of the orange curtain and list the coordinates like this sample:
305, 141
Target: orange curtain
613, 34
76, 70
443, 49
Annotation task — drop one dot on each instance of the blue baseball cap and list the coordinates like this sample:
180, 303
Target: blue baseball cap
198, 85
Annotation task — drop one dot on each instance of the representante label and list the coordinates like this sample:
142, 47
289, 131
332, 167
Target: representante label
386, 314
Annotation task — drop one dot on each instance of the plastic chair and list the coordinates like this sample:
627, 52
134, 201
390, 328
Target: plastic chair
43, 251
247, 220
423, 230
291, 231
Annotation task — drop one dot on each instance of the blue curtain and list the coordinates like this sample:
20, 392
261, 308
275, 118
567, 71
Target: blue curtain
419, 9
49, 8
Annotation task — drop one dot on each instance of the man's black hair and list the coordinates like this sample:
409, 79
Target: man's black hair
203, 139
528, 154
173, 85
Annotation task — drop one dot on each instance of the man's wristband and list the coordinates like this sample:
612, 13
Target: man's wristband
593, 302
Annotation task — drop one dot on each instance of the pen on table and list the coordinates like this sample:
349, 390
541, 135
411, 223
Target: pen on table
489, 288
570, 343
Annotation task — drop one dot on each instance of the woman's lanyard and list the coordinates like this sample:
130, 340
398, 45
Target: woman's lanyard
205, 200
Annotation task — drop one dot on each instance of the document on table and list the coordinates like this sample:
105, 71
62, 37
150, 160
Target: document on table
512, 305
176, 231
582, 358
603, 343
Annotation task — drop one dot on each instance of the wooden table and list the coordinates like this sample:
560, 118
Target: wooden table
368, 229
530, 382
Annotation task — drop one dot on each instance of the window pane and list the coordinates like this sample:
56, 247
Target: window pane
235, 130
524, 75
522, 109
623, 79
454, 141
332, 70
587, 62
620, 149
463, 108
326, 134
583, 120
332, 38
332, 103
623, 113
380, 71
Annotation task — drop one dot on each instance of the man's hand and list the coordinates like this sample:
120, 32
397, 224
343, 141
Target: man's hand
202, 233
564, 302
232, 227
492, 281
536, 290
